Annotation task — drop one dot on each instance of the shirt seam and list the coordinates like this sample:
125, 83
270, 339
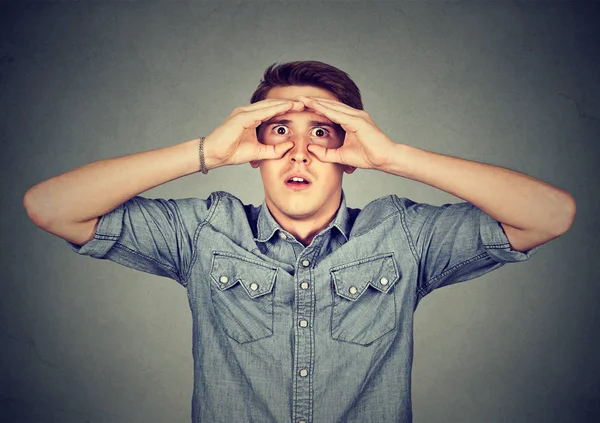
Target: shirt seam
106, 237
446, 272
379, 223
411, 243
497, 246
211, 211
152, 259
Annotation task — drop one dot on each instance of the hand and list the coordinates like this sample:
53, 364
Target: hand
365, 145
235, 141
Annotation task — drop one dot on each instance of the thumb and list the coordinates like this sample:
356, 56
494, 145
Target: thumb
328, 155
276, 151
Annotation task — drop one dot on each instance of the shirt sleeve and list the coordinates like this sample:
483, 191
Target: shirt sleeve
151, 235
457, 242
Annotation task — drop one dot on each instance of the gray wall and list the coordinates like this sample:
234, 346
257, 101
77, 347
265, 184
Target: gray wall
516, 84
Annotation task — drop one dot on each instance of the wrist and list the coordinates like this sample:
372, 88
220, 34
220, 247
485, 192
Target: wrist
397, 162
210, 160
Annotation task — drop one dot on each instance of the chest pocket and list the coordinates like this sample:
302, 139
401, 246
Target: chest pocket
242, 296
364, 306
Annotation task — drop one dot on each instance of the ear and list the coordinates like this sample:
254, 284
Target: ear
349, 169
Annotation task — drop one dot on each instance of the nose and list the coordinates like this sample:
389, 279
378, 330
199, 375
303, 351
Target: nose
299, 153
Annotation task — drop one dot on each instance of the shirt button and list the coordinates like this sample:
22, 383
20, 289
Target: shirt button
224, 279
304, 285
383, 281
353, 290
253, 286
303, 372
303, 323
305, 263
282, 235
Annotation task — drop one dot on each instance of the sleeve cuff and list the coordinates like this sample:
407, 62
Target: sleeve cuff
107, 234
496, 242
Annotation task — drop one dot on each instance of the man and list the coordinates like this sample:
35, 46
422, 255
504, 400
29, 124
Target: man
302, 308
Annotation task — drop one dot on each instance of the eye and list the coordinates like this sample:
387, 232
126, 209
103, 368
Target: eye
278, 130
320, 132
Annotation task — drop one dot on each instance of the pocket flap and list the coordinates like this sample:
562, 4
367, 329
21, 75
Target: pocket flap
229, 269
352, 279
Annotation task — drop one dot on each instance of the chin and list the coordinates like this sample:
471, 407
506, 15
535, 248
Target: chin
299, 212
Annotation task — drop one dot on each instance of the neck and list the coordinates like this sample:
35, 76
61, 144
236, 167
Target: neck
305, 229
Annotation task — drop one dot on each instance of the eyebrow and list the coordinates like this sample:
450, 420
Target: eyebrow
287, 122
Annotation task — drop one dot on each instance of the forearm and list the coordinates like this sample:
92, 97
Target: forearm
97, 188
507, 196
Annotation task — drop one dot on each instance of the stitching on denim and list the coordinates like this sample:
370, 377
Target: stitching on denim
421, 292
214, 204
239, 257
378, 223
411, 242
201, 225
106, 237
455, 267
227, 329
137, 253
313, 302
497, 246
381, 257
362, 261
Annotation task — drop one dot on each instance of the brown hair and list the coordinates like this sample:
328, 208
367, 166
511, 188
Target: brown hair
313, 73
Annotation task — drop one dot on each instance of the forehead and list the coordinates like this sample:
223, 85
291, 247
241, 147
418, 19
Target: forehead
292, 91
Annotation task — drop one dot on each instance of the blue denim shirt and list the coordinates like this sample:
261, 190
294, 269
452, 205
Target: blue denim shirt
288, 333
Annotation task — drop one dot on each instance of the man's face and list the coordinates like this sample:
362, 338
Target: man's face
319, 196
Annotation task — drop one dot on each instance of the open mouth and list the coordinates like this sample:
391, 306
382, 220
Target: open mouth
297, 182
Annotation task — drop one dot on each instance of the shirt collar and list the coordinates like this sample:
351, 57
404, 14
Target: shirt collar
267, 226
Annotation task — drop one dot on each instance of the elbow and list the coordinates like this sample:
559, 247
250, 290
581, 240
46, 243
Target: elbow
568, 215
34, 210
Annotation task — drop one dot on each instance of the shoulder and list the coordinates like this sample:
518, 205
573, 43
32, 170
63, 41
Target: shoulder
224, 206
410, 213
191, 208
389, 205
374, 214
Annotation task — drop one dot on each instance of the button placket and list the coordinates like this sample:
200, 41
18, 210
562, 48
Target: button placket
304, 339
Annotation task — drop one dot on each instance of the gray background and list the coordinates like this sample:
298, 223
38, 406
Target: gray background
515, 84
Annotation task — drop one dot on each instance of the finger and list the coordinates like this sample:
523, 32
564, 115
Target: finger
298, 106
261, 104
350, 123
276, 151
336, 105
253, 118
327, 155
258, 106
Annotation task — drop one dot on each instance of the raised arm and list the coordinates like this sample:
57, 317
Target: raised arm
532, 212
69, 205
